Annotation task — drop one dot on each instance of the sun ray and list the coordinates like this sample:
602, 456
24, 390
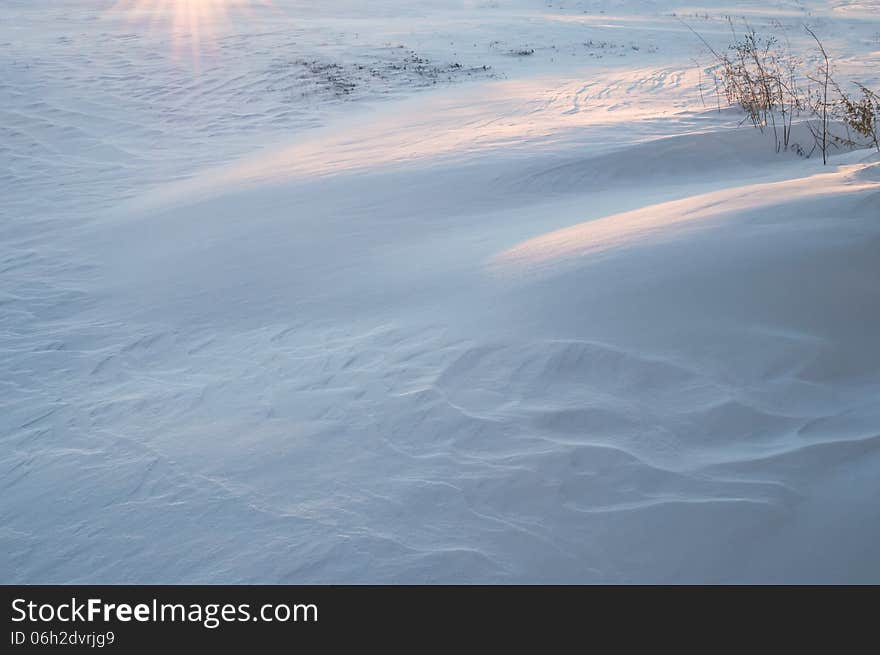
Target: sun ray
194, 25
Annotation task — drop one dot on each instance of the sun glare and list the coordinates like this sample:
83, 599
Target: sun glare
194, 25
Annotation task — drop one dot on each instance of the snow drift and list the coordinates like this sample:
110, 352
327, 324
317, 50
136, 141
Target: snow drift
561, 323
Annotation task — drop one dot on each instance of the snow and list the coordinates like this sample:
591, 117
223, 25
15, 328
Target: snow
348, 292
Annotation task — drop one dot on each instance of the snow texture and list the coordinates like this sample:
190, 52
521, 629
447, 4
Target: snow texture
442, 291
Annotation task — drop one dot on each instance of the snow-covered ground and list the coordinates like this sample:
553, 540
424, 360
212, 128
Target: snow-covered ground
432, 291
